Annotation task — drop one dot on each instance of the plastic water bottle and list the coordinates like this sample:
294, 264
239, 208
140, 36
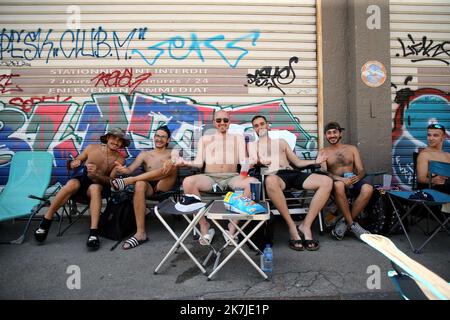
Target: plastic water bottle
267, 259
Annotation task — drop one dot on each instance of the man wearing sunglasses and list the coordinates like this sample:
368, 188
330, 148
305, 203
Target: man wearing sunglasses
159, 176
436, 135
219, 153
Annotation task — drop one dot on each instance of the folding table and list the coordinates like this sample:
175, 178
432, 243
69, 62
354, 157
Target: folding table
217, 212
167, 207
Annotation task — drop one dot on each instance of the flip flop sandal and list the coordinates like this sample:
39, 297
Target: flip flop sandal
207, 238
93, 242
311, 245
133, 243
118, 184
300, 233
41, 233
294, 245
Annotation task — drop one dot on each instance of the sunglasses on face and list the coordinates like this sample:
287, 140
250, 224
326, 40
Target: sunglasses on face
436, 126
219, 120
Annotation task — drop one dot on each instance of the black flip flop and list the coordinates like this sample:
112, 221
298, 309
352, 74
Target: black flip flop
293, 244
93, 242
118, 184
310, 245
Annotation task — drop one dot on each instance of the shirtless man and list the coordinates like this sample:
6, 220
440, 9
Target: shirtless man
276, 154
435, 138
157, 178
90, 180
221, 152
345, 159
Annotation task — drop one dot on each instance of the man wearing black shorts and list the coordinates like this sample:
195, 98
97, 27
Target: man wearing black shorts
277, 155
90, 180
159, 176
346, 168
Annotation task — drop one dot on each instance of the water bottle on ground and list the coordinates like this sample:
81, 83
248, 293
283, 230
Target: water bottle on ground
267, 259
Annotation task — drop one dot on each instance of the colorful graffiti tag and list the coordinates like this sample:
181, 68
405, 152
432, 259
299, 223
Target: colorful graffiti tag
416, 109
66, 128
101, 43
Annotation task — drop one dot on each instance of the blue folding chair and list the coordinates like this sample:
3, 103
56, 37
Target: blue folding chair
407, 201
25, 192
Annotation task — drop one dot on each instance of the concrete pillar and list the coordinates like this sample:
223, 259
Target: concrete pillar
352, 35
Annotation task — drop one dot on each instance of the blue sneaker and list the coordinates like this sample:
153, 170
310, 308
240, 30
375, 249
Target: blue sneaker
240, 204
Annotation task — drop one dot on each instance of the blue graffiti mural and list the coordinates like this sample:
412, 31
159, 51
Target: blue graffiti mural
178, 43
100, 43
416, 109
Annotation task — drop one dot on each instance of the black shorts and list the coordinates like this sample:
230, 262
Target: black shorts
445, 188
153, 184
81, 175
293, 178
156, 193
355, 189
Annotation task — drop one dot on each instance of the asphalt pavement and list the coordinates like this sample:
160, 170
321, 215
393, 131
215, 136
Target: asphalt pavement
64, 268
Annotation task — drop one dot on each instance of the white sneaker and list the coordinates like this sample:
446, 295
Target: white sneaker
189, 203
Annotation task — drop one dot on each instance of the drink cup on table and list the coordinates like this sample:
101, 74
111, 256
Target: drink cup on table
255, 191
245, 166
387, 179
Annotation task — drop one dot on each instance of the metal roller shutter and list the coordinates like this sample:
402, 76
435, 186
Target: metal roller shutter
71, 69
420, 59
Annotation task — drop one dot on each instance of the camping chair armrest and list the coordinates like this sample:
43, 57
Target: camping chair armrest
36, 197
46, 201
374, 174
371, 175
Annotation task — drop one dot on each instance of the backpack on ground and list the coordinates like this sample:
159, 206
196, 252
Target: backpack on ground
380, 216
117, 221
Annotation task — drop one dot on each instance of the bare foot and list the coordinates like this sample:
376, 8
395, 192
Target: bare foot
204, 227
231, 229
294, 233
139, 237
306, 232
308, 241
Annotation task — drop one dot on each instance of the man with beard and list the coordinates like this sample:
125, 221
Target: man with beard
159, 176
435, 138
90, 180
276, 155
346, 168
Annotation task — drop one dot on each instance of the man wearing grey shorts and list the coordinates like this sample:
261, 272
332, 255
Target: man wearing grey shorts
220, 153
